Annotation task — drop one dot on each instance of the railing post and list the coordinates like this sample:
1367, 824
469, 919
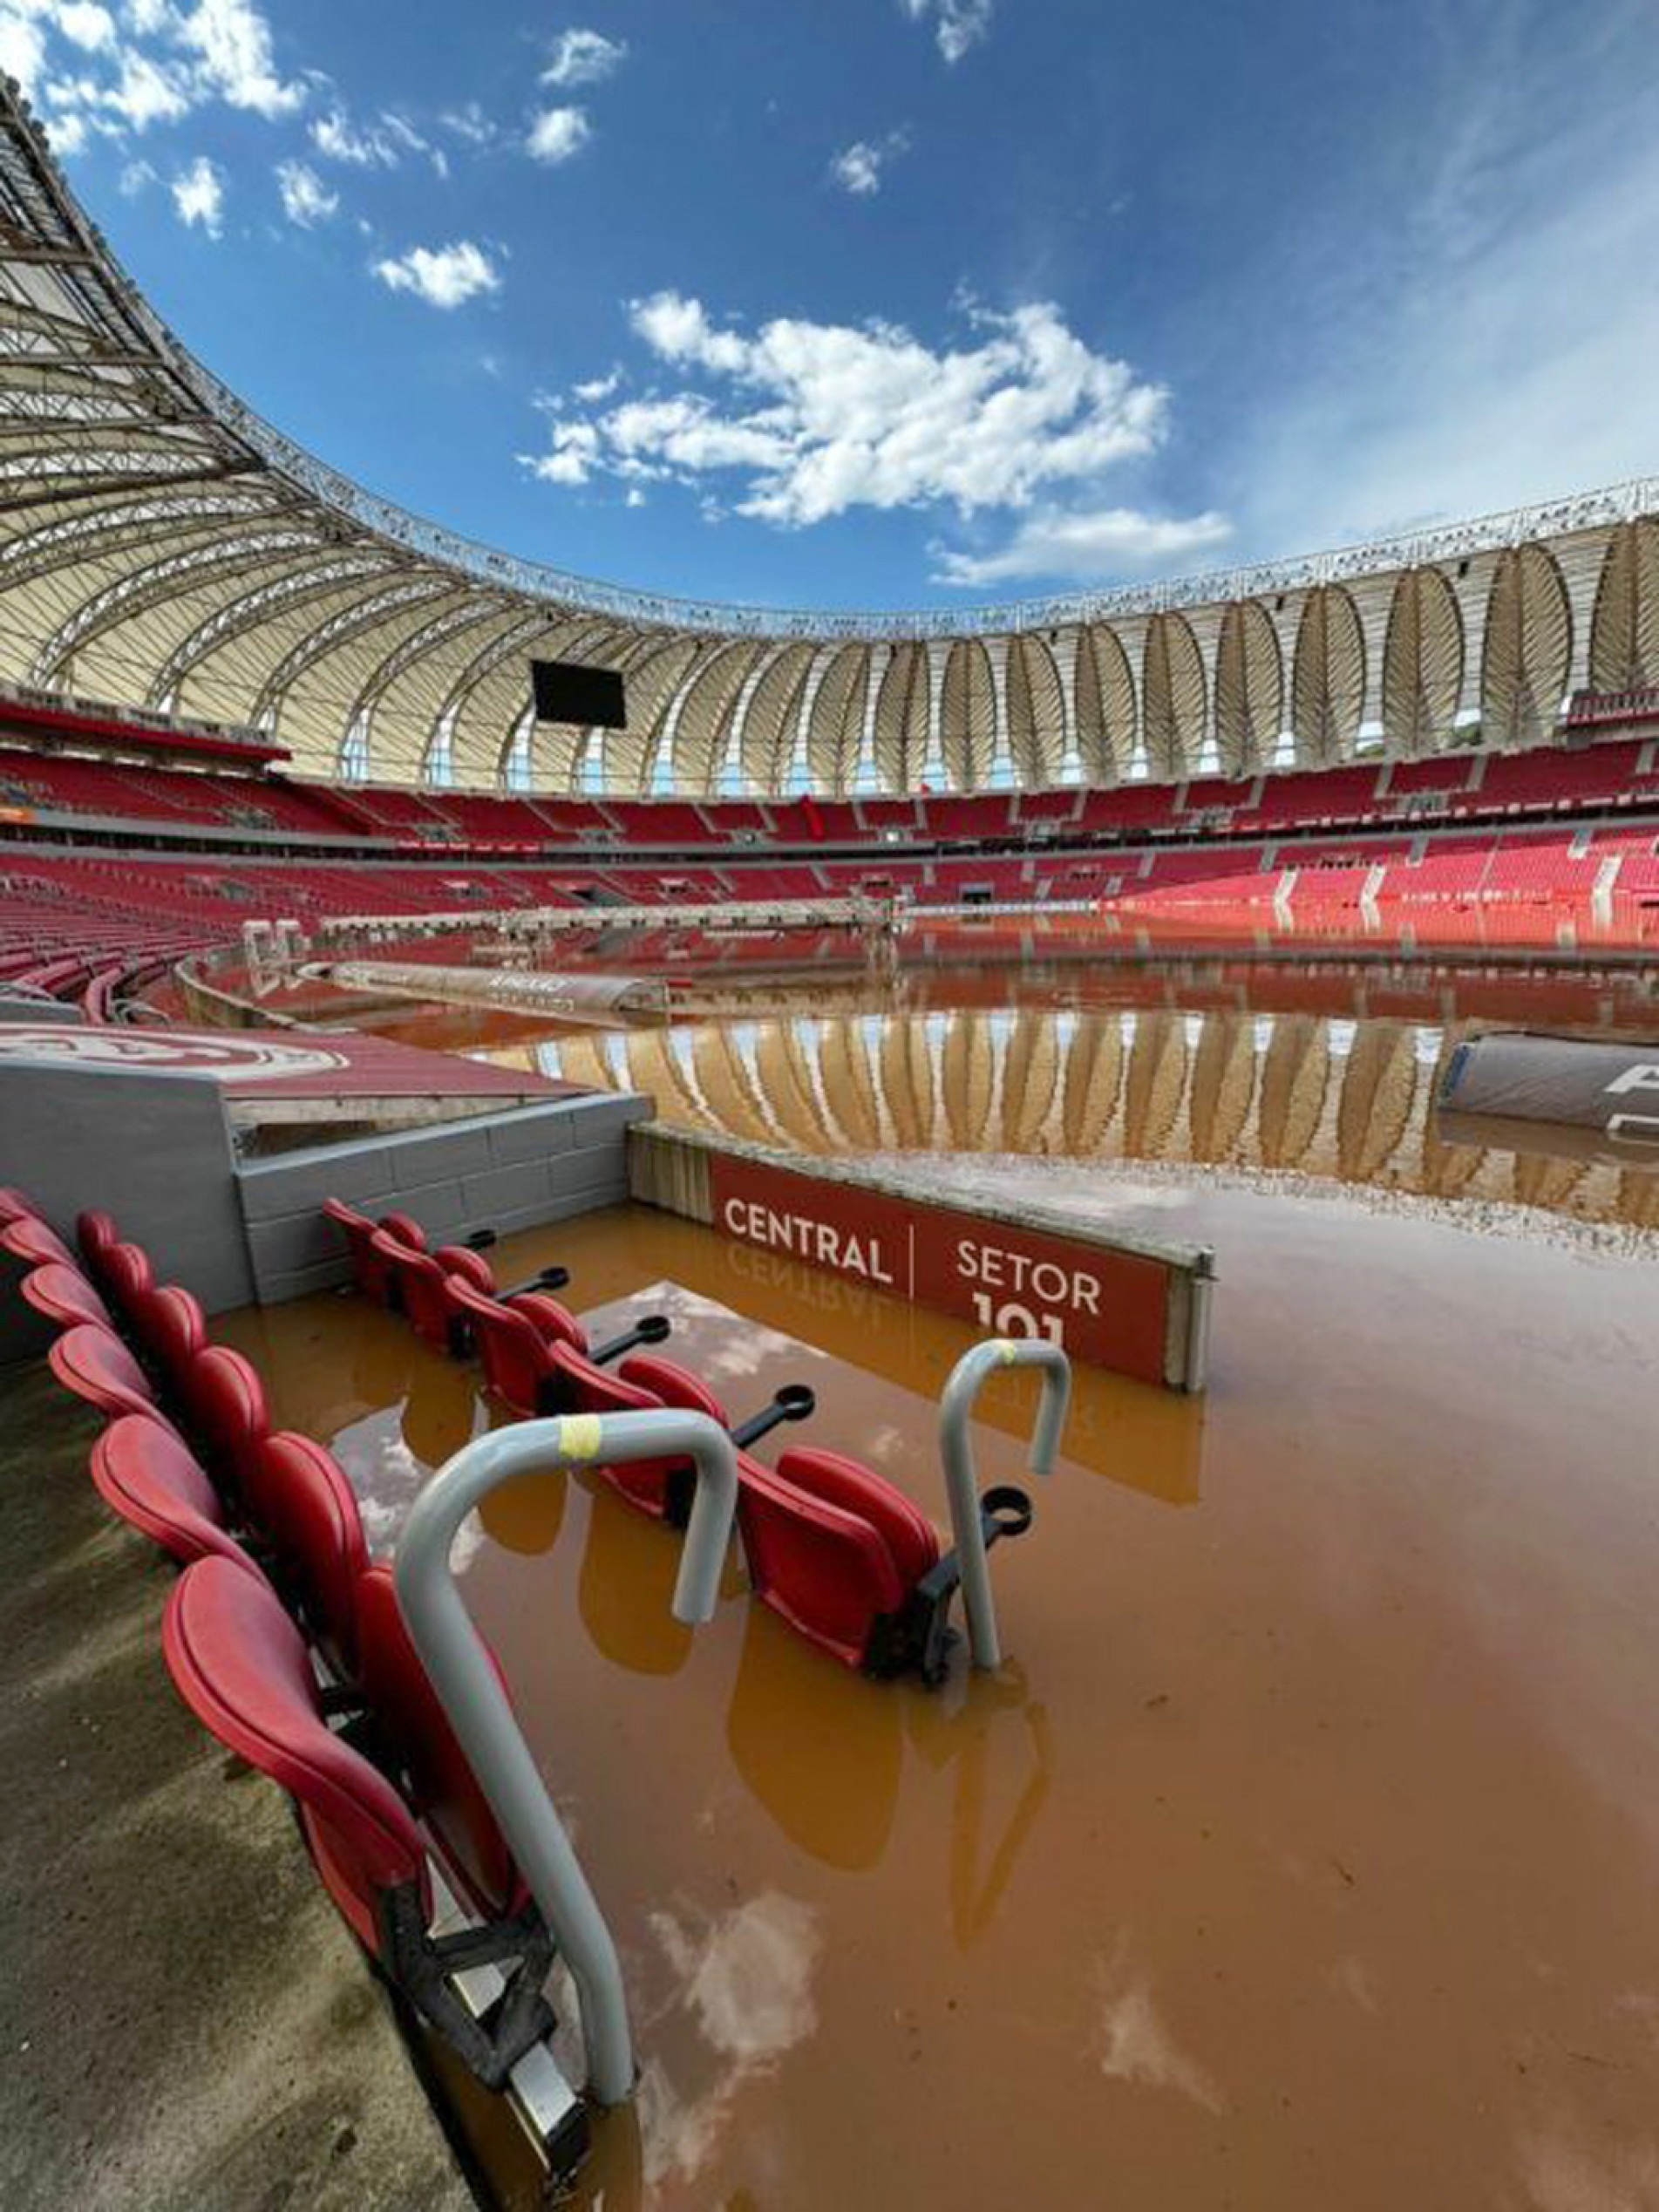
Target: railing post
961, 1485
470, 1691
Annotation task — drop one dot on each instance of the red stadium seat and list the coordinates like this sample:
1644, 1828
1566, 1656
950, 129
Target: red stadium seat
223, 1402
368, 1268
64, 1296
243, 1667
33, 1241
297, 1496
661, 1487
124, 1271
15, 1206
835, 1549
95, 1233
418, 1286
146, 1474
407, 1709
516, 1353
169, 1329
98, 1366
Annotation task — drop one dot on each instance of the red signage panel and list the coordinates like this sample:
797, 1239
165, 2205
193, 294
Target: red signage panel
1109, 1308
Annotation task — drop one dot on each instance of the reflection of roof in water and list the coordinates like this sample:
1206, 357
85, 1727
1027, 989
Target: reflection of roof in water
1347, 1099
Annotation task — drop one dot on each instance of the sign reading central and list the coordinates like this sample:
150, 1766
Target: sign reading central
1105, 1306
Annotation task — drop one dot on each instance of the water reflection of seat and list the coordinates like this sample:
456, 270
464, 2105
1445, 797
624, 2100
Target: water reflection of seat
626, 1588
823, 1751
526, 1514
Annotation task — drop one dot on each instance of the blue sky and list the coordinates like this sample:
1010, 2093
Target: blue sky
894, 302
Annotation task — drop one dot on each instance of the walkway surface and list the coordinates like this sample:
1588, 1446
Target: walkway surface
184, 2021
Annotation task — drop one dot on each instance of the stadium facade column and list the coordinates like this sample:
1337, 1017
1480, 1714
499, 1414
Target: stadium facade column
1373, 598
1582, 559
877, 662
1001, 777
1471, 580
1065, 649
933, 769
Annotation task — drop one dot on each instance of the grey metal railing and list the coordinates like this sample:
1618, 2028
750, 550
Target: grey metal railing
470, 1690
961, 1483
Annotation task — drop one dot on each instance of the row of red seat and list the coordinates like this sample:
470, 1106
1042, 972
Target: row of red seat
832, 1547
281, 1625
1609, 774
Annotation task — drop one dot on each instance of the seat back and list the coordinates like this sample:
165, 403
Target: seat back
411, 1716
124, 1271
661, 1487
16, 1205
241, 1666
555, 1322
224, 1404
169, 1329
34, 1242
97, 1365
146, 1474
96, 1234
819, 1535
297, 1494
368, 1268
515, 1359
64, 1296
672, 1384
420, 1286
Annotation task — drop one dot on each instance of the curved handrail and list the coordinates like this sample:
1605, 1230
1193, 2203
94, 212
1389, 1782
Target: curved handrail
961, 1483
470, 1690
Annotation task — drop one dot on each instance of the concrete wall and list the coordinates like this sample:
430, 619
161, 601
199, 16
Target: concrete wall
154, 1149
501, 1171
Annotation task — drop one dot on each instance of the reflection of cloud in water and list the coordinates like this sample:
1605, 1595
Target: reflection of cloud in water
1564, 2169
742, 1351
1135, 2043
749, 1982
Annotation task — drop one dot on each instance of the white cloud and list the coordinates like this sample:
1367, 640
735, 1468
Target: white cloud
858, 168
470, 123
199, 195
558, 133
1086, 546
596, 388
583, 57
821, 418
958, 25
444, 277
93, 68
306, 200
234, 42
382, 144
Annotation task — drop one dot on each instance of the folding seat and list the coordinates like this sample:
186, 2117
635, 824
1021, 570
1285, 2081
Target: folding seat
64, 1296
33, 1241
515, 1344
145, 1472
95, 1232
411, 1725
368, 1268
168, 1327
665, 1488
241, 1666
97, 1365
849, 1560
123, 1271
16, 1205
223, 1401
297, 1496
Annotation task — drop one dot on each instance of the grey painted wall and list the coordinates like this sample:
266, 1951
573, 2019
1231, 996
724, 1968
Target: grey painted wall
501, 1171
156, 1149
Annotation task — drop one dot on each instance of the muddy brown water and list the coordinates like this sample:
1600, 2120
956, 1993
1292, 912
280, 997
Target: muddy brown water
1300, 1855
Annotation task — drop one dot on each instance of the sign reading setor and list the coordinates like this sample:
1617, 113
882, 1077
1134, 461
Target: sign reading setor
1104, 1305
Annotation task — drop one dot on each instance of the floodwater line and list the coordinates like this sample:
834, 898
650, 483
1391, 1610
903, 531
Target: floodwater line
962, 1482
470, 1691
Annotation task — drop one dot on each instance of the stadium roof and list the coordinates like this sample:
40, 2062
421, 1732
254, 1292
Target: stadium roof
163, 547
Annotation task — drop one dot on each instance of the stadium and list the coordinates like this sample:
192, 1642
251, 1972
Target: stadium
897, 1367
